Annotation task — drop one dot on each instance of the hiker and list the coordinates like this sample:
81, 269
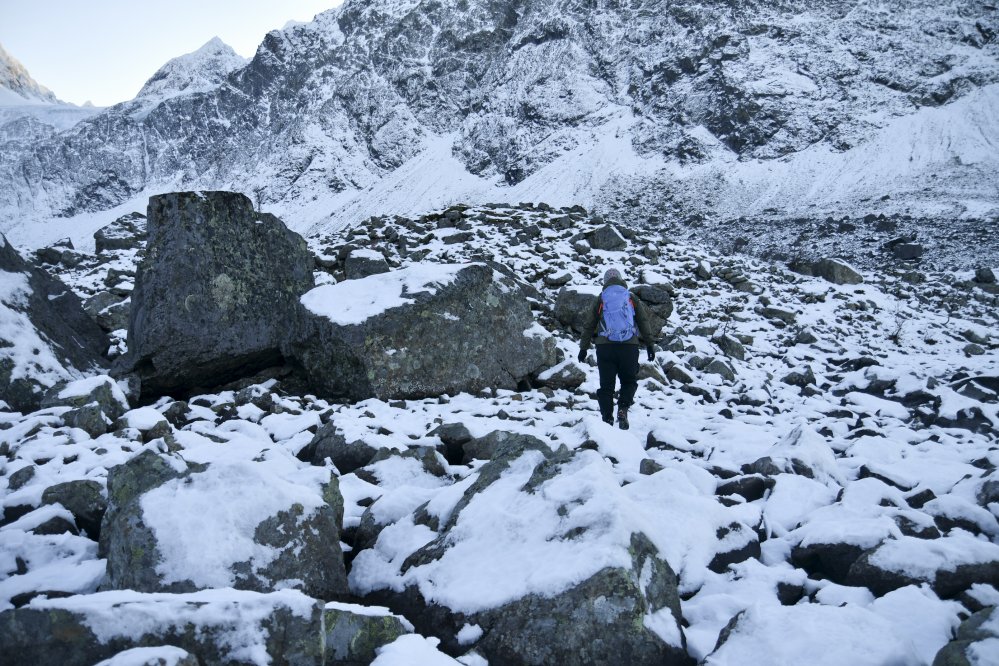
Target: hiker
620, 323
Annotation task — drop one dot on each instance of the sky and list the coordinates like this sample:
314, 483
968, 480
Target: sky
103, 51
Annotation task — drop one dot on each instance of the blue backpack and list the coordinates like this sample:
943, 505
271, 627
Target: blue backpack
617, 314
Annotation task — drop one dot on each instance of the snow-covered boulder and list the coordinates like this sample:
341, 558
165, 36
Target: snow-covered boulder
364, 262
330, 443
950, 564
811, 634
976, 642
216, 626
422, 331
263, 526
100, 390
128, 232
572, 306
498, 562
45, 336
215, 293
836, 271
84, 498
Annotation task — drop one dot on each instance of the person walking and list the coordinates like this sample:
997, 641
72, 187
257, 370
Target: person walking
620, 323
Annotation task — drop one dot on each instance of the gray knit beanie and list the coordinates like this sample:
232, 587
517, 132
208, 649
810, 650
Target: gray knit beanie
611, 274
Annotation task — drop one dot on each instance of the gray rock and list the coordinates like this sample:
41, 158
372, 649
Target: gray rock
362, 264
968, 648
20, 478
836, 271
975, 337
566, 376
606, 238
677, 374
600, 620
501, 444
826, 560
100, 390
89, 418
307, 546
215, 293
985, 276
115, 317
128, 232
558, 279
907, 251
946, 582
582, 247
972, 349
658, 304
329, 442
730, 347
85, 499
52, 314
572, 307
453, 436
784, 316
289, 630
805, 337
800, 379
353, 638
720, 368
466, 335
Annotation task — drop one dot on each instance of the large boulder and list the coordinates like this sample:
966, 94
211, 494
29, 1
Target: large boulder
573, 305
530, 509
422, 331
950, 564
128, 232
217, 626
45, 336
215, 293
658, 303
176, 527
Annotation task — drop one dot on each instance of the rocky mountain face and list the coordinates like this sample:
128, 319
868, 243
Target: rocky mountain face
663, 112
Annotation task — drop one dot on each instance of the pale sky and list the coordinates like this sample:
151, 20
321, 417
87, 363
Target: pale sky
104, 50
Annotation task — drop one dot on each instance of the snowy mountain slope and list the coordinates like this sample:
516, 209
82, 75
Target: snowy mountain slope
849, 422
778, 108
29, 112
17, 86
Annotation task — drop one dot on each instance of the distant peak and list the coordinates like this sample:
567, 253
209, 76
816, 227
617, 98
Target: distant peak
198, 71
214, 45
14, 77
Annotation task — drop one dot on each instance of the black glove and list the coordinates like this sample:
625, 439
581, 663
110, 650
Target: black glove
581, 356
652, 353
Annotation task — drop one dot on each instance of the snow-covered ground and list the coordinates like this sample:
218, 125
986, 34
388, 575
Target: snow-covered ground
864, 386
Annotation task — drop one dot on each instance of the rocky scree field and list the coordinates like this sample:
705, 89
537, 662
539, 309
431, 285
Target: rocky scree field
808, 451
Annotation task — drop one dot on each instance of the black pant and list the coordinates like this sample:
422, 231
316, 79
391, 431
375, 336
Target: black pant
613, 361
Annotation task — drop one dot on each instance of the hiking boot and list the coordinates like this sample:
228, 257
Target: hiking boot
622, 419
608, 417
